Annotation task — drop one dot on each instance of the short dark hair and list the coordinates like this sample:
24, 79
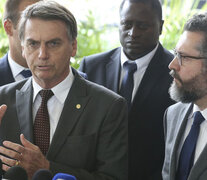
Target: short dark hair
11, 10
155, 4
198, 23
49, 10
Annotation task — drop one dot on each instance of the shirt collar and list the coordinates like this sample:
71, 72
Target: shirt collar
60, 91
141, 62
203, 112
15, 67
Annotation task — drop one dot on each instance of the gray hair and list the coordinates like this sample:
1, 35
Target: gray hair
198, 23
48, 10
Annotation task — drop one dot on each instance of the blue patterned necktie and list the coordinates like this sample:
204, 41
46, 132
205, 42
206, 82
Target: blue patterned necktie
26, 73
188, 150
128, 81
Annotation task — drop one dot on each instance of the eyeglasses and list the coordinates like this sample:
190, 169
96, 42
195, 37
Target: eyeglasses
182, 58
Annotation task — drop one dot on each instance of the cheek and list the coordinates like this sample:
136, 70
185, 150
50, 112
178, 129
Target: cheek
29, 58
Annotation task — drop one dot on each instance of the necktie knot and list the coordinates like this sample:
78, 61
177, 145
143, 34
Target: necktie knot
26, 73
46, 95
198, 118
130, 67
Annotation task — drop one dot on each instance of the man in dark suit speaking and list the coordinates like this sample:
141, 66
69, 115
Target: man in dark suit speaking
57, 120
146, 89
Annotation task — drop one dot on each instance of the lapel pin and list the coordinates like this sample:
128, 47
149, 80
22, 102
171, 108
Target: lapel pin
78, 106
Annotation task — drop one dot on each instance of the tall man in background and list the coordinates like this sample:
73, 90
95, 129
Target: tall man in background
146, 89
56, 119
13, 66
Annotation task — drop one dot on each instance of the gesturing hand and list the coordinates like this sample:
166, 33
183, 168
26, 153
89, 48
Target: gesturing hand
26, 155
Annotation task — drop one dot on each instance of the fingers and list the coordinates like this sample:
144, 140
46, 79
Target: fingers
8, 162
5, 167
12, 150
9, 157
2, 111
11, 153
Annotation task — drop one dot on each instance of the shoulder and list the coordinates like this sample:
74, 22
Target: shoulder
177, 112
102, 56
93, 90
164, 53
4, 61
3, 58
11, 87
178, 107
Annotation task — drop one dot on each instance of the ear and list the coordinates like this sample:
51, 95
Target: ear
74, 45
8, 26
161, 25
23, 53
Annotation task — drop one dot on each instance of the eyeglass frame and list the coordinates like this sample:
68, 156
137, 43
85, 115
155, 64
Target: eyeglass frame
179, 57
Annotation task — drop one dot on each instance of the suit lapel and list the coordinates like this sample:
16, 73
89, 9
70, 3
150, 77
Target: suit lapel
73, 108
151, 77
179, 129
24, 109
113, 71
200, 166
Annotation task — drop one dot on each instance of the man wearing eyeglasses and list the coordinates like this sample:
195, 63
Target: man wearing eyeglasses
185, 122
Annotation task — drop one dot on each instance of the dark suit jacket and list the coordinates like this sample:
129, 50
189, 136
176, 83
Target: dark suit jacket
146, 140
175, 121
5, 71
90, 142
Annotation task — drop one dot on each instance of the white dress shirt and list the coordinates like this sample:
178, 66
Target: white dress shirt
56, 103
202, 140
142, 64
16, 69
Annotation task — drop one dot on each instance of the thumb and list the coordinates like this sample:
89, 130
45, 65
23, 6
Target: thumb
26, 143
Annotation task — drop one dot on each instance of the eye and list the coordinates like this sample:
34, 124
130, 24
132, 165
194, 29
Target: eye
143, 26
53, 43
32, 44
126, 24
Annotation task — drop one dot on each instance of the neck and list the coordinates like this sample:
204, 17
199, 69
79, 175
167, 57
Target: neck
202, 103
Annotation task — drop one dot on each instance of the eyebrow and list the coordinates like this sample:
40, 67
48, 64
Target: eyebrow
55, 39
33, 40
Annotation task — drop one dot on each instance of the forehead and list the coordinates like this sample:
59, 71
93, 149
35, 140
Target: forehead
137, 11
190, 42
38, 29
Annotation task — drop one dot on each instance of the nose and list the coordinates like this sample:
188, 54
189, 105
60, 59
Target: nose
43, 54
134, 31
174, 64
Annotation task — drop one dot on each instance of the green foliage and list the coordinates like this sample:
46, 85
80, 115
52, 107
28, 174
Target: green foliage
176, 12
93, 38
89, 38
